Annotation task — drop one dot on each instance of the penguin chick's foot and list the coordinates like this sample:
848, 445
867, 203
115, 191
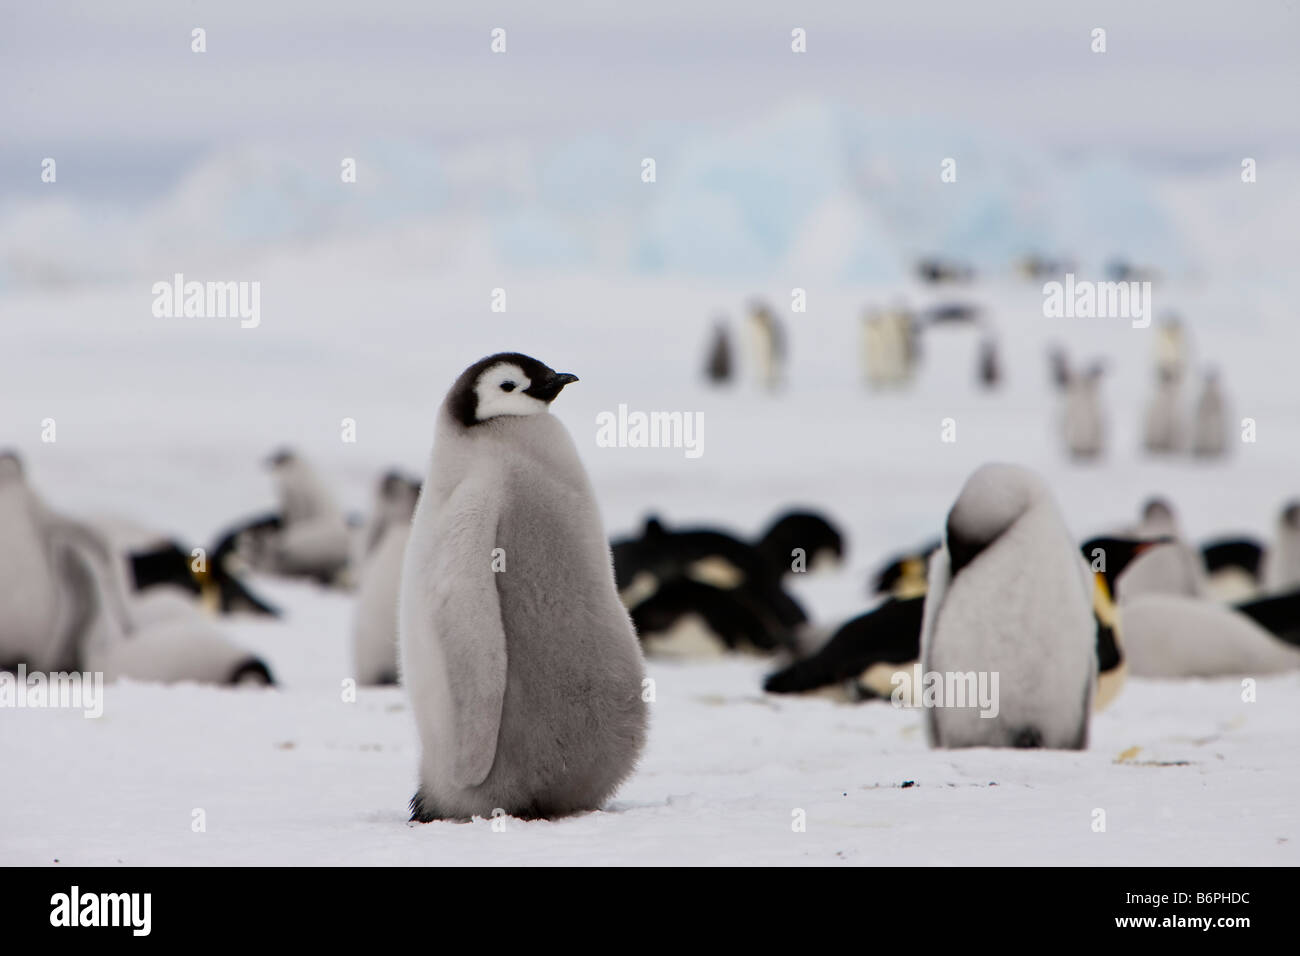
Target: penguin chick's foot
421, 810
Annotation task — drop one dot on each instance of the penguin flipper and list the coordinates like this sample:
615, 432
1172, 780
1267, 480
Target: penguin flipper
891, 634
1279, 614
469, 629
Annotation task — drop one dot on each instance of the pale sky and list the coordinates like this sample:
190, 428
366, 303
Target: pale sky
1179, 78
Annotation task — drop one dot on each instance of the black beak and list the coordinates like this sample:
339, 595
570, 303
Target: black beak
547, 389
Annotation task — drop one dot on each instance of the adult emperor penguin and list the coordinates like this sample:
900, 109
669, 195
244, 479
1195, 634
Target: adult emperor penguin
1281, 563
374, 624
523, 670
1010, 595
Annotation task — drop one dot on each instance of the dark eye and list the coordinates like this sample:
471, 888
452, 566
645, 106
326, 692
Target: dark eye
507, 386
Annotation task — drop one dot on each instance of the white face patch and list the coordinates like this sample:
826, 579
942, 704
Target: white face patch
500, 391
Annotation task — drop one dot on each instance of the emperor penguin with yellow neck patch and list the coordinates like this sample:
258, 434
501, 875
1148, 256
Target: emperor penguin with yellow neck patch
1010, 596
523, 670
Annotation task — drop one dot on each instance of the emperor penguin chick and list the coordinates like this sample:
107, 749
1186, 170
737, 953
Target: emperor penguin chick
314, 538
523, 670
374, 623
1085, 424
1010, 595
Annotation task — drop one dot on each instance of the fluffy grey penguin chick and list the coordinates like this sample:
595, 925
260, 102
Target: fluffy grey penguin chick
374, 624
315, 538
526, 680
1010, 593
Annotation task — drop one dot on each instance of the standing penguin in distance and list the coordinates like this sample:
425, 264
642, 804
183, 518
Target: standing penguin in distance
1164, 426
1210, 427
718, 367
523, 670
1009, 594
374, 622
767, 346
1085, 426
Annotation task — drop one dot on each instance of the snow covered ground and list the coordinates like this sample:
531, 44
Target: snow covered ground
165, 421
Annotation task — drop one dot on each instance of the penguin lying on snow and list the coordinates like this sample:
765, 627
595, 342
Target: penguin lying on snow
1010, 594
735, 589
804, 535
720, 585
688, 618
524, 673
1232, 567
1172, 635
170, 564
904, 576
374, 627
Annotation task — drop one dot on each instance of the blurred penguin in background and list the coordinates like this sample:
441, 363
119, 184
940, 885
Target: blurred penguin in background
1281, 564
802, 541
375, 650
990, 365
718, 368
1085, 427
1164, 425
1232, 568
1059, 364
1171, 566
888, 347
37, 626
313, 540
1171, 349
1210, 427
767, 346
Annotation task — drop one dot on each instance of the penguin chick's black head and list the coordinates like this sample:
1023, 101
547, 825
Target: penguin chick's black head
507, 383
281, 456
992, 500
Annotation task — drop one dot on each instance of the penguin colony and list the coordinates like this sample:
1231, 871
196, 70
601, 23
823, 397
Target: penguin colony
490, 590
